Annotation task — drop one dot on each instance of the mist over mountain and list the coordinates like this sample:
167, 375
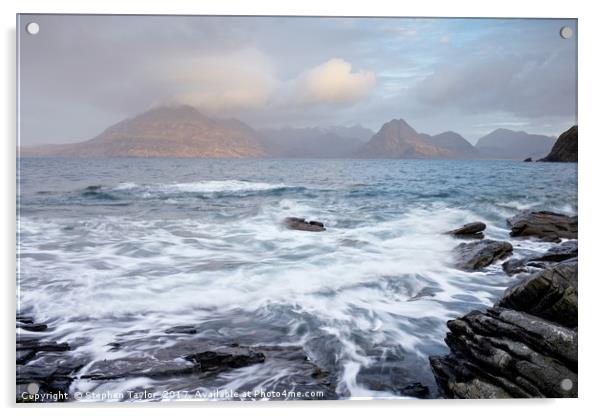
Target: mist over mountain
315, 142
173, 131
510, 144
398, 140
183, 131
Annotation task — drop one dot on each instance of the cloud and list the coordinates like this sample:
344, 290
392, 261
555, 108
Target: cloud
334, 82
532, 85
240, 80
245, 80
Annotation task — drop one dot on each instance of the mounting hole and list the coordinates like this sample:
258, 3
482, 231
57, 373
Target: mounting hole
566, 32
566, 384
33, 388
32, 28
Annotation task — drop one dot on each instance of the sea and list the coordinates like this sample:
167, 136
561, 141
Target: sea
117, 251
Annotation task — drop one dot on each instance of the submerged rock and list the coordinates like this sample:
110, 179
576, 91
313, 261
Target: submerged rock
470, 230
42, 361
545, 225
220, 360
301, 224
480, 254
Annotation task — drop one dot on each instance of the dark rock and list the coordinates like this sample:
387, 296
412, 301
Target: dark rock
514, 266
53, 375
479, 254
24, 319
565, 149
504, 353
36, 345
550, 294
415, 390
24, 356
181, 329
547, 226
564, 251
219, 360
32, 326
302, 224
174, 362
471, 230
529, 159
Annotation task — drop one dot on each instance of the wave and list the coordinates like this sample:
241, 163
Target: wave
205, 187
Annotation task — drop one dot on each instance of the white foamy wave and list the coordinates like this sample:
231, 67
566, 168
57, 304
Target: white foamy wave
200, 187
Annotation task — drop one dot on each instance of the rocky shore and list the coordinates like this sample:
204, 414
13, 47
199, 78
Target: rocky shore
526, 344
523, 346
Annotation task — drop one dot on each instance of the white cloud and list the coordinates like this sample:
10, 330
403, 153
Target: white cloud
334, 82
245, 81
241, 80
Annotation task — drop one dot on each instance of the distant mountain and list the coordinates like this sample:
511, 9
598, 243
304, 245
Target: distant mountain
315, 142
458, 145
174, 131
398, 140
510, 144
182, 131
565, 148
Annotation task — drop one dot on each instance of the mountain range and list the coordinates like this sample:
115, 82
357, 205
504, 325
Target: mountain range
183, 131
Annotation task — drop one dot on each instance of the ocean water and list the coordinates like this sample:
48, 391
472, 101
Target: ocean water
120, 250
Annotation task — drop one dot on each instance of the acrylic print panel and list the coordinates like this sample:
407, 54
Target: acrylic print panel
296, 208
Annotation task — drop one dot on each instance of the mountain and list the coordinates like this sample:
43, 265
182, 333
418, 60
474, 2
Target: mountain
510, 144
315, 142
455, 143
565, 148
398, 140
173, 131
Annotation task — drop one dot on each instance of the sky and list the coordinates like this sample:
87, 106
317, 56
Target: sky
80, 74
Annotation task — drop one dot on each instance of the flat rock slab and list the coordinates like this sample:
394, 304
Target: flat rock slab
470, 230
479, 254
545, 225
301, 224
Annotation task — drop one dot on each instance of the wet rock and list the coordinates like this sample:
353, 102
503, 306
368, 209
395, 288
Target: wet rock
479, 254
471, 230
174, 361
529, 159
220, 360
32, 327
514, 266
415, 390
561, 253
181, 329
42, 361
24, 356
550, 294
24, 319
564, 251
301, 224
545, 225
37, 345
503, 353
